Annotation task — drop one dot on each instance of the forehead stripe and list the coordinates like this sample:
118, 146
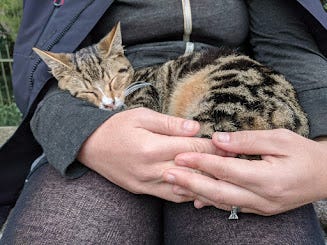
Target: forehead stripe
94, 54
76, 63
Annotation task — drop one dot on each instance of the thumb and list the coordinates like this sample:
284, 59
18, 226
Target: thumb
167, 125
255, 142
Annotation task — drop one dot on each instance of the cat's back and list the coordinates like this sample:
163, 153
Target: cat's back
229, 91
226, 91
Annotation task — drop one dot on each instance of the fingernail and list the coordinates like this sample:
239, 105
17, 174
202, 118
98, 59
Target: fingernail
189, 125
198, 204
169, 178
223, 137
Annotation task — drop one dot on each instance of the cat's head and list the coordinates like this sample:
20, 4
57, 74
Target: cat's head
99, 73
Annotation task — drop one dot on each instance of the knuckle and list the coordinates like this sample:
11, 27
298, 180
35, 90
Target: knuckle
144, 175
223, 173
275, 192
225, 170
136, 191
147, 152
218, 198
282, 134
135, 187
198, 145
271, 209
179, 199
246, 138
187, 183
140, 174
140, 110
267, 211
171, 123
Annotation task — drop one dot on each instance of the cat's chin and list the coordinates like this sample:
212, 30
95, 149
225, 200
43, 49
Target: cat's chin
112, 108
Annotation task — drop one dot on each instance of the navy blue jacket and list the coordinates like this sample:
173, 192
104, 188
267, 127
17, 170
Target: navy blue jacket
317, 8
49, 26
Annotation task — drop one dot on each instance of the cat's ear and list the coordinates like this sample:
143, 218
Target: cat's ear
112, 42
54, 60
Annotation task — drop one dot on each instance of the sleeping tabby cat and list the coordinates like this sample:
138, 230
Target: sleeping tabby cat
223, 90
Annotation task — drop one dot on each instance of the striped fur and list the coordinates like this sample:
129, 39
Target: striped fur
223, 90
98, 74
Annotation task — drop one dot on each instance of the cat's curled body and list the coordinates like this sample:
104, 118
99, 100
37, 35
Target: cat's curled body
222, 89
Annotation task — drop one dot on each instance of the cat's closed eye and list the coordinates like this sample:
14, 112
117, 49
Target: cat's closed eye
122, 70
87, 94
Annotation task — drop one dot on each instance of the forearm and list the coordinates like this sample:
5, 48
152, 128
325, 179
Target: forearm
61, 124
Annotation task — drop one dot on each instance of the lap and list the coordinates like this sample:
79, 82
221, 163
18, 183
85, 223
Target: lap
91, 210
186, 225
88, 210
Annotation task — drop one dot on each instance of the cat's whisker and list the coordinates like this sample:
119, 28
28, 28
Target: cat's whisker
112, 81
135, 86
100, 89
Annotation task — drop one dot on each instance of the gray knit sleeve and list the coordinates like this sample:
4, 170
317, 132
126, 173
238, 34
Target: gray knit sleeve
280, 40
61, 123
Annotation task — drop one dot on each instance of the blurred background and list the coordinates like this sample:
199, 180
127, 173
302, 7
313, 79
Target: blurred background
10, 16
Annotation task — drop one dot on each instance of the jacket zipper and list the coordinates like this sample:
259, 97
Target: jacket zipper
57, 4
187, 26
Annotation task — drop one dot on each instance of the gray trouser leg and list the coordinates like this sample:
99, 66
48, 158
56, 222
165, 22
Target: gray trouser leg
88, 210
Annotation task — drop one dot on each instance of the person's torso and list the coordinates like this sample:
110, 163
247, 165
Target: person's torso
215, 22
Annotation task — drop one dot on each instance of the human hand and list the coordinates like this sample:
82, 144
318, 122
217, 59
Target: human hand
292, 172
133, 148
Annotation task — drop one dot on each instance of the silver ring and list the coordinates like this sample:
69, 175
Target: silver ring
233, 213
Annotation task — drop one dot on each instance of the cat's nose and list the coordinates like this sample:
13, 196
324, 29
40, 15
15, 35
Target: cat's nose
108, 103
109, 106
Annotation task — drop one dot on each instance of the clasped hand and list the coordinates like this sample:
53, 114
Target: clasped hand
146, 152
133, 148
292, 172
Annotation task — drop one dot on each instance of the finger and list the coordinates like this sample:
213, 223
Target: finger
256, 142
164, 191
178, 190
251, 175
150, 182
164, 148
192, 144
202, 202
167, 125
217, 192
175, 134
